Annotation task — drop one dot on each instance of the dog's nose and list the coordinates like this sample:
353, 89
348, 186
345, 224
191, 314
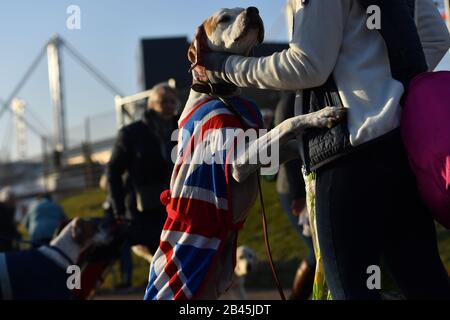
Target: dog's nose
252, 11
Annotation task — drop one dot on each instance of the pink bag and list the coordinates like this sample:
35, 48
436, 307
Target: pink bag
426, 135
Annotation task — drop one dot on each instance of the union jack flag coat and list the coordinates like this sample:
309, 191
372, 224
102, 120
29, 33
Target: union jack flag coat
198, 203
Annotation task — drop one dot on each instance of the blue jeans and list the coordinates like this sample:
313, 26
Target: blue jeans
286, 202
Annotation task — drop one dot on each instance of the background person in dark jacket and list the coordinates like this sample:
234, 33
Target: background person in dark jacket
143, 151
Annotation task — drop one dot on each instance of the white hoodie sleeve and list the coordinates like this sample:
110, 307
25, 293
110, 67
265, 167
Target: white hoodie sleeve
433, 32
311, 57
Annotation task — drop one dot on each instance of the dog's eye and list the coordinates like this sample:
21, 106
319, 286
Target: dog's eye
225, 19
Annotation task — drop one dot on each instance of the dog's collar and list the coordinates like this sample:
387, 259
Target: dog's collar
214, 89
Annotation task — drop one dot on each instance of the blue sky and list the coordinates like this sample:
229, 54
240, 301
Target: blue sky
109, 37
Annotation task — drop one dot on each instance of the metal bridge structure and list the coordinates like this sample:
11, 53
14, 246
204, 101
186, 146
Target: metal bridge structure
52, 51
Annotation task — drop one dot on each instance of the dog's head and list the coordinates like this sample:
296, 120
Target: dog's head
235, 31
245, 261
91, 239
84, 233
88, 231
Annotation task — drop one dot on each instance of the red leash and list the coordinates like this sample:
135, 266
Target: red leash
263, 210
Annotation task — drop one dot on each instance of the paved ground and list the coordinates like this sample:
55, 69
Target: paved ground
138, 294
252, 295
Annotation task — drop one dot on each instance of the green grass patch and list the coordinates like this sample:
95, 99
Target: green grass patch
85, 204
285, 243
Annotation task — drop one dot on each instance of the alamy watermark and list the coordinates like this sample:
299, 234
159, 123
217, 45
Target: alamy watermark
73, 21
374, 280
74, 279
374, 20
227, 146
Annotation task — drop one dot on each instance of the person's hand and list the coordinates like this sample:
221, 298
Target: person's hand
298, 205
208, 75
210, 67
207, 66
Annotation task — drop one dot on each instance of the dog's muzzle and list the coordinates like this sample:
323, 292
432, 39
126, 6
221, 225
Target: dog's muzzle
253, 17
254, 21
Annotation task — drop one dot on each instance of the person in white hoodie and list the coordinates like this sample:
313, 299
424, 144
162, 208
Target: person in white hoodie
367, 204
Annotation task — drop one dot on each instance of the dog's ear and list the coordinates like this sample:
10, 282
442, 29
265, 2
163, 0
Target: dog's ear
192, 53
198, 46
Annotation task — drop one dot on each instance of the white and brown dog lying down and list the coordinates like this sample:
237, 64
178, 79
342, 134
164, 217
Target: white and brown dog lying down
213, 188
41, 274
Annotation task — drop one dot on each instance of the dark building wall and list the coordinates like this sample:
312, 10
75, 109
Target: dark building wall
163, 59
166, 58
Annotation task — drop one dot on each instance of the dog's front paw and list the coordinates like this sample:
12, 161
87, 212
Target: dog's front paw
327, 117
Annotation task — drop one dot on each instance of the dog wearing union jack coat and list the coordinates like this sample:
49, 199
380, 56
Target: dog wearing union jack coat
213, 187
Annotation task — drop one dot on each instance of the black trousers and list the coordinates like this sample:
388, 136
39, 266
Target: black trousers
368, 207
